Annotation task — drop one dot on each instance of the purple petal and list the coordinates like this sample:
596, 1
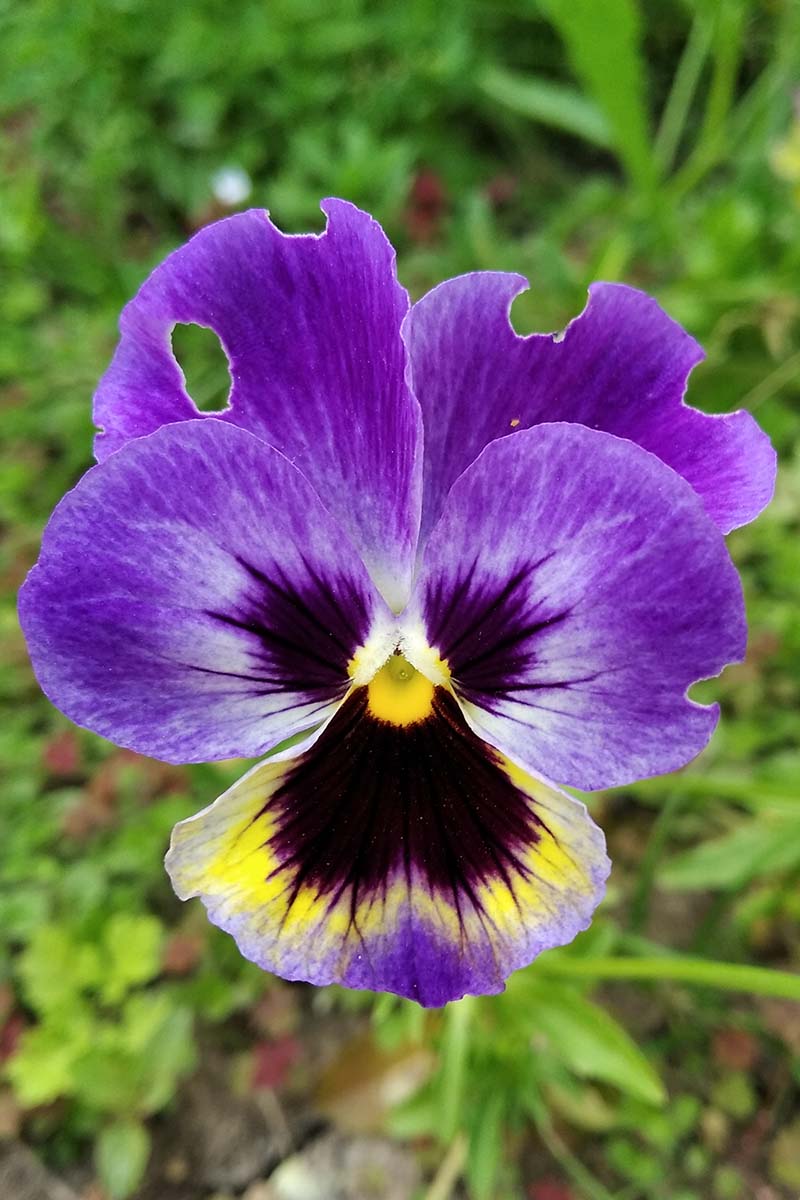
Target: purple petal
576, 588
621, 366
311, 327
194, 600
402, 858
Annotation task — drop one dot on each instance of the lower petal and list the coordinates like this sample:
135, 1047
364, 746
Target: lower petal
398, 854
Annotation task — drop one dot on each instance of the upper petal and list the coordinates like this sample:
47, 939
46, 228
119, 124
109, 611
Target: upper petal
194, 599
575, 587
621, 366
311, 328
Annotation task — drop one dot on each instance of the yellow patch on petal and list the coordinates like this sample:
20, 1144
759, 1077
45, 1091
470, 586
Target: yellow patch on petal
240, 865
399, 693
237, 858
308, 904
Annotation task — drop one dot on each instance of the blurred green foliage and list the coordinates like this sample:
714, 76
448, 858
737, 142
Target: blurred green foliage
569, 140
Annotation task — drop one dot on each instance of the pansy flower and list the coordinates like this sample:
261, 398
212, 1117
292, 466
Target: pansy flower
458, 566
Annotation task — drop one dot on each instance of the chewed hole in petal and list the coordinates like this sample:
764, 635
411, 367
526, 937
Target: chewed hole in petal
704, 691
201, 357
526, 315
530, 316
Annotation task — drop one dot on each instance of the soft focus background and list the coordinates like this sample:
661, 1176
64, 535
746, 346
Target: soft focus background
566, 139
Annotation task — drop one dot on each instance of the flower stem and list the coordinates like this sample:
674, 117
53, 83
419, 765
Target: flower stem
455, 1048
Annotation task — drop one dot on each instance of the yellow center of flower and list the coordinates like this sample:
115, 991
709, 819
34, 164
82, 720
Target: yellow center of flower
399, 693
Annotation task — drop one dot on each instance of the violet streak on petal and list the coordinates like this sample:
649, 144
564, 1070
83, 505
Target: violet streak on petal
194, 600
621, 366
311, 328
576, 588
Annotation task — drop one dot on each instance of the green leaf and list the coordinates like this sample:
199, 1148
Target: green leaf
55, 969
603, 43
553, 104
732, 860
418, 1117
170, 1056
105, 1077
133, 1063
635, 1163
121, 1153
587, 1040
581, 1104
133, 953
43, 1068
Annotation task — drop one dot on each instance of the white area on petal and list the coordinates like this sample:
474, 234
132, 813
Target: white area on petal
369, 658
395, 636
426, 658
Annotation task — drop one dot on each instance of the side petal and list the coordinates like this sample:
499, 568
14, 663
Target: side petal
194, 600
311, 328
403, 858
576, 588
621, 366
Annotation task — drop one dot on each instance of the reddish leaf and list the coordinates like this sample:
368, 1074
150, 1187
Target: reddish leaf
6, 1002
501, 189
272, 1061
426, 207
182, 953
550, 1189
735, 1049
61, 754
92, 812
277, 1013
10, 1034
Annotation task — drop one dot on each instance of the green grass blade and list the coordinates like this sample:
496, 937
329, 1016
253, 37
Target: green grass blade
604, 47
697, 972
554, 104
684, 86
712, 142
